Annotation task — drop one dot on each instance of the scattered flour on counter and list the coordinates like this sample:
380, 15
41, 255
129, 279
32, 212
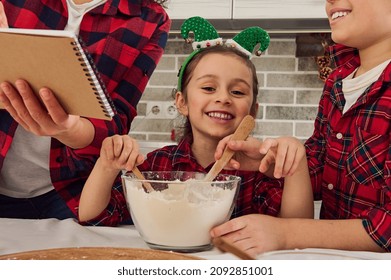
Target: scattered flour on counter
181, 215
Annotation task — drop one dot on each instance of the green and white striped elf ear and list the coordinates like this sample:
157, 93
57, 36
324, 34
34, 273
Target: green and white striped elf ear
247, 40
205, 35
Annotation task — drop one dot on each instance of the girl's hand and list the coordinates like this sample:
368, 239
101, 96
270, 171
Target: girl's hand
120, 152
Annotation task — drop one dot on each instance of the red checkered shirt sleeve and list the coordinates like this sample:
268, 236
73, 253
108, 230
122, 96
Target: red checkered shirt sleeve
116, 212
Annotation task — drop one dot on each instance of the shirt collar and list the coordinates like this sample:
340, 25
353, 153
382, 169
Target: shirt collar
343, 55
348, 59
183, 153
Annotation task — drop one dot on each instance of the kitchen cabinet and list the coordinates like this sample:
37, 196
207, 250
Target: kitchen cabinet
217, 9
247, 9
278, 9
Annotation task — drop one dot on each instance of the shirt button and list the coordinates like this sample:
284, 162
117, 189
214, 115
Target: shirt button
339, 135
330, 186
59, 159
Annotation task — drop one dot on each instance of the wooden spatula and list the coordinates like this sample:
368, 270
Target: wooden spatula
225, 246
241, 133
146, 185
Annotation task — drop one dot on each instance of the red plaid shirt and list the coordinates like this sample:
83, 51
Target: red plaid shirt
258, 193
126, 40
349, 155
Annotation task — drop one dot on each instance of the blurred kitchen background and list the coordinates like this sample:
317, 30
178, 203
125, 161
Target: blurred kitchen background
288, 73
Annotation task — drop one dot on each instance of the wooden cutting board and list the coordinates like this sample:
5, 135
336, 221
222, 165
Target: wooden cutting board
97, 253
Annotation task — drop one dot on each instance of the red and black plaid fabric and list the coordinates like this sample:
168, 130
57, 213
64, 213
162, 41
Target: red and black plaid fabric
126, 40
349, 154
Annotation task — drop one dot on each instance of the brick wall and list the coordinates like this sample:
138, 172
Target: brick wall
288, 95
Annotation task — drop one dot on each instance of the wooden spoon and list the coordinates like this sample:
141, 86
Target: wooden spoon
241, 133
146, 185
225, 246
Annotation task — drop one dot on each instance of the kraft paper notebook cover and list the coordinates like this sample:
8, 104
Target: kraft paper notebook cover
57, 60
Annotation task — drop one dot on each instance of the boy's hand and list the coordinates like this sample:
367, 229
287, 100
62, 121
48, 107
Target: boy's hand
284, 153
253, 233
277, 157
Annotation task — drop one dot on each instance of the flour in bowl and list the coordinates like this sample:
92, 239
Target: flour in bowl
181, 215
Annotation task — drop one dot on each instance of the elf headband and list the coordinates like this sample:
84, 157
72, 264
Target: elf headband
205, 36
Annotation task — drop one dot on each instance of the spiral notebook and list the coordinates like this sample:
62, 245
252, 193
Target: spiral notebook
58, 60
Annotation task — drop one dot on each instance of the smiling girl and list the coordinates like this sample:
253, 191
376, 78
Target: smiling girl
218, 87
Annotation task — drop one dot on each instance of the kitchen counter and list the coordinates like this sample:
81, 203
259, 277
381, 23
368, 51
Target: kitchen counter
20, 235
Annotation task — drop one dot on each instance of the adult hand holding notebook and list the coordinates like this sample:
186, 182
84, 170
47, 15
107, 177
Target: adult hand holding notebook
57, 60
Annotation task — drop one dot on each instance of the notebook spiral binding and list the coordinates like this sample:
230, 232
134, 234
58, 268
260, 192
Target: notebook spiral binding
94, 77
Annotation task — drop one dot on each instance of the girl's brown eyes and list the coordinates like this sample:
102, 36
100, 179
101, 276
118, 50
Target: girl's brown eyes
236, 92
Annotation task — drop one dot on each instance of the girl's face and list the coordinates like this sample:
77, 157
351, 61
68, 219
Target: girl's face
219, 96
359, 23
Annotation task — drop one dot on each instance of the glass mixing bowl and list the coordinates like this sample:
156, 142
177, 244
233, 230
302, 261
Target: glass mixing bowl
179, 214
